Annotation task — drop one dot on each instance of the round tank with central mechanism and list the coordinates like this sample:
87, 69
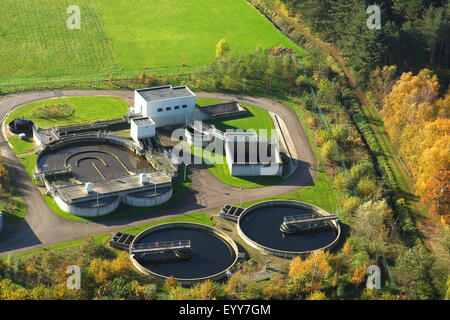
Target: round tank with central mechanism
208, 253
288, 228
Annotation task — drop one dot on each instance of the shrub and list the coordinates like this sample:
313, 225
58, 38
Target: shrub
360, 170
204, 291
302, 82
409, 233
53, 111
309, 102
340, 133
150, 292
277, 289
311, 122
317, 295
117, 288
366, 187
329, 151
412, 273
323, 137
350, 204
342, 182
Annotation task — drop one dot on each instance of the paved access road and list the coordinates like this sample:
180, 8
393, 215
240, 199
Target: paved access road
41, 227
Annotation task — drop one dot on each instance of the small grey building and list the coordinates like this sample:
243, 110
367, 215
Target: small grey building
248, 155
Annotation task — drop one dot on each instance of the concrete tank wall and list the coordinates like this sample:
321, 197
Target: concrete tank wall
160, 277
247, 170
87, 211
147, 201
110, 207
281, 253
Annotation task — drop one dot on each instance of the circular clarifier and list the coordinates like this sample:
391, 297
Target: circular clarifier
212, 253
259, 225
88, 160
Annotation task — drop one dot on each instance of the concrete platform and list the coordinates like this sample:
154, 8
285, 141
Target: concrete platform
123, 185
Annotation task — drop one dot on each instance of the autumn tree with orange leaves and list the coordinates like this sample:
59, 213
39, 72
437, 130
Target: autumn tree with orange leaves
437, 191
418, 122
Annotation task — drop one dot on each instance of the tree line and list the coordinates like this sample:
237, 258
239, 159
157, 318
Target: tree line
413, 35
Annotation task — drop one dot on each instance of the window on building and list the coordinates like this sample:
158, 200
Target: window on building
160, 109
177, 107
184, 106
168, 108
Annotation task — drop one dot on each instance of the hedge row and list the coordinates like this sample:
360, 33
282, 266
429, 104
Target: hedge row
384, 169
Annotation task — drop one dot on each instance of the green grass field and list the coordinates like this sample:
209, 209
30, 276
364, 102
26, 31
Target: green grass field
205, 102
124, 35
86, 109
20, 146
257, 119
13, 210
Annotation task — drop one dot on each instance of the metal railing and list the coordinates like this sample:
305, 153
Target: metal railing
161, 246
304, 218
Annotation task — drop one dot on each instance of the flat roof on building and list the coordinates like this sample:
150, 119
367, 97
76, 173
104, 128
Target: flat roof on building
165, 93
145, 121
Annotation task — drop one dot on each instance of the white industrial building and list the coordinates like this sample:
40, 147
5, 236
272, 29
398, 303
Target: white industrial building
142, 128
165, 105
248, 155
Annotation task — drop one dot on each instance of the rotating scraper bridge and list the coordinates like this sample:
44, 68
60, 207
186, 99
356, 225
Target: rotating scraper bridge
90, 173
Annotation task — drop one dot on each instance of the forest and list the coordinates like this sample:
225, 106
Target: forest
413, 33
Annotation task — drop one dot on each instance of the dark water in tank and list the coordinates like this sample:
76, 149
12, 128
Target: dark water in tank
263, 226
211, 254
87, 159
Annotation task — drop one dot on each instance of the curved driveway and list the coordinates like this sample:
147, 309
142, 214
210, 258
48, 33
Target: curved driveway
42, 227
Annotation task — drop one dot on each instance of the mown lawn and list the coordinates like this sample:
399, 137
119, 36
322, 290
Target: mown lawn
319, 194
20, 146
129, 35
257, 119
86, 109
205, 102
13, 210
29, 163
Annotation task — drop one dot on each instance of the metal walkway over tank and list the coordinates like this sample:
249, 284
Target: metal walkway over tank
230, 212
305, 222
206, 129
160, 246
121, 240
163, 250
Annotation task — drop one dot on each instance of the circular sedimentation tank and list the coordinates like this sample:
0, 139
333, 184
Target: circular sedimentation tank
259, 226
93, 159
21, 125
211, 256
